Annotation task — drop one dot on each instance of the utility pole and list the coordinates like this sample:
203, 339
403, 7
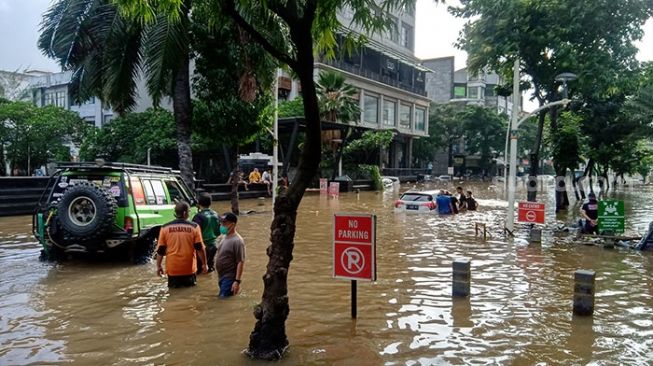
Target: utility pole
510, 217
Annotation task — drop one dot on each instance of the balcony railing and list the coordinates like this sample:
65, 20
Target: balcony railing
366, 73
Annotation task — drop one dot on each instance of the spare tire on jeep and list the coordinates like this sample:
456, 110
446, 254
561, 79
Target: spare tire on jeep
86, 212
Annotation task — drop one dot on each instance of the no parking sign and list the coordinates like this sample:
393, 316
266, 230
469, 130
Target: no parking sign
354, 246
531, 212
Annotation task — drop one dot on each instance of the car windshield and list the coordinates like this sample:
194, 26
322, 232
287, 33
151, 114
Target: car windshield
416, 197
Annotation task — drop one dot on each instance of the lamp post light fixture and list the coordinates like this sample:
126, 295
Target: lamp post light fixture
564, 78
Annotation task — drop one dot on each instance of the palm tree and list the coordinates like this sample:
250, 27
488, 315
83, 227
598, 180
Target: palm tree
337, 104
108, 52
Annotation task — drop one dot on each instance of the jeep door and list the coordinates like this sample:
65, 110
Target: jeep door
153, 206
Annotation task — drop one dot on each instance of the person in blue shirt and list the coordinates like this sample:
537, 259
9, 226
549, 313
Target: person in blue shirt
443, 203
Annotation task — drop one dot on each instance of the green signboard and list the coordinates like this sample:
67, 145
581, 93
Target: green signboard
611, 216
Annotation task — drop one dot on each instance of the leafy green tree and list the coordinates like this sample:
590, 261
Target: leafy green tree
291, 108
107, 51
34, 136
553, 37
445, 129
128, 138
644, 162
233, 87
484, 132
369, 142
292, 32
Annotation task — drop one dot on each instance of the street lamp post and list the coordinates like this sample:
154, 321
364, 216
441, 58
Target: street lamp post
510, 217
515, 122
514, 126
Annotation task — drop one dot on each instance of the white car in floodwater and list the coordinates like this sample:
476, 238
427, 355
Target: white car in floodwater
420, 202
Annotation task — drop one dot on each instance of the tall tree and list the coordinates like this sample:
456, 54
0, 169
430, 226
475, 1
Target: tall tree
484, 133
233, 86
292, 32
553, 37
34, 136
107, 52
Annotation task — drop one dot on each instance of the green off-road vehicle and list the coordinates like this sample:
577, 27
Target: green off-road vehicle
100, 207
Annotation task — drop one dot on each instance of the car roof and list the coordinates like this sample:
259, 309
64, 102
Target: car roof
432, 193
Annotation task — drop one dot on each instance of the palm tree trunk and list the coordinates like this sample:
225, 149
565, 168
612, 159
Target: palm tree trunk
183, 113
268, 340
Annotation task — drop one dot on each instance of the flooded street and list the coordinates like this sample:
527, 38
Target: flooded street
519, 312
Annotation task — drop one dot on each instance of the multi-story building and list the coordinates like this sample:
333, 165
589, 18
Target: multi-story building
54, 89
444, 85
15, 85
391, 84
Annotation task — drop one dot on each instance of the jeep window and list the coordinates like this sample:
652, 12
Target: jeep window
159, 192
137, 191
149, 192
174, 191
113, 184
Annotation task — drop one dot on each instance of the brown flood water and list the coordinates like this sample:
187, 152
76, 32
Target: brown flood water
519, 312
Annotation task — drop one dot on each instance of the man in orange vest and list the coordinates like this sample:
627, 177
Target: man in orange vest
180, 241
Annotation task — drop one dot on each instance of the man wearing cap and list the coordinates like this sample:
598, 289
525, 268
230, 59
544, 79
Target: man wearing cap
180, 241
230, 260
590, 212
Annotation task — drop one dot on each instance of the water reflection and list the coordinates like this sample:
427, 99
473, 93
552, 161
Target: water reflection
519, 311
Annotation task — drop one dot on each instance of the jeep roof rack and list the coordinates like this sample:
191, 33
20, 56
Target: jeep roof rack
131, 168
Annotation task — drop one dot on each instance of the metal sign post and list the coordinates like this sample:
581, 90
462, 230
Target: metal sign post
354, 250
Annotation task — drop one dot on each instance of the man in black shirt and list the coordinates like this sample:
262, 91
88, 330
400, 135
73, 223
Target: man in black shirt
462, 200
590, 212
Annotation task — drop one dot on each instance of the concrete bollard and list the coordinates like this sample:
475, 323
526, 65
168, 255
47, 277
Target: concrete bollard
461, 277
584, 292
536, 234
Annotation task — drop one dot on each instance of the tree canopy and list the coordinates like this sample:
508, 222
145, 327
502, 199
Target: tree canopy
35, 136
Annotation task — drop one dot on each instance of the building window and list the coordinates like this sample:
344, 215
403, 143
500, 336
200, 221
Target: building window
371, 109
420, 119
389, 112
404, 116
50, 99
473, 92
406, 36
489, 91
394, 31
459, 91
61, 99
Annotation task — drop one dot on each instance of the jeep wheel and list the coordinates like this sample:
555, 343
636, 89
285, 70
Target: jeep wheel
86, 212
143, 250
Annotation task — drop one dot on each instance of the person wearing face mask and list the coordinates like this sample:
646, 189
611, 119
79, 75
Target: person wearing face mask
208, 221
230, 259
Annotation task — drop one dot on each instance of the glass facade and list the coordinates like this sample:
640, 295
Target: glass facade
371, 109
389, 112
404, 116
420, 119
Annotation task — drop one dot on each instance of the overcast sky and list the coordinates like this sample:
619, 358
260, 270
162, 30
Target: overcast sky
436, 32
